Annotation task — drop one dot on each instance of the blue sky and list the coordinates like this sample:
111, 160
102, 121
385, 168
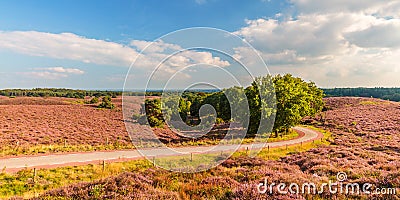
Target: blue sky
122, 20
90, 44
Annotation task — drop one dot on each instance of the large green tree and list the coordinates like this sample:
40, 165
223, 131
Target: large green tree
295, 99
261, 99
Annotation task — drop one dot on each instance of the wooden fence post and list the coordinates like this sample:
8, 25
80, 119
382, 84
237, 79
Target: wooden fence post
34, 175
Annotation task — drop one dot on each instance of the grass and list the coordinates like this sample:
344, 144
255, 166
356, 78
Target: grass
276, 153
24, 185
264, 138
18, 150
57, 148
192, 162
370, 102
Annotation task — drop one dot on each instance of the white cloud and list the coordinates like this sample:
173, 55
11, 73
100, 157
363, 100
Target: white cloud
52, 73
45, 75
383, 35
63, 70
335, 43
67, 46
73, 47
369, 7
154, 47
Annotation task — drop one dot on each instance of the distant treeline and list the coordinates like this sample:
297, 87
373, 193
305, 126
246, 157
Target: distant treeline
392, 94
79, 94
56, 92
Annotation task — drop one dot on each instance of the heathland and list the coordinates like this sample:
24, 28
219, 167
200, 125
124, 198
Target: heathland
361, 139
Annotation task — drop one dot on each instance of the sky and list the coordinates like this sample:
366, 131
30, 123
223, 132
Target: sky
93, 44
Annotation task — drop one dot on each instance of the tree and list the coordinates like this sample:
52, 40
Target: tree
152, 111
295, 99
261, 99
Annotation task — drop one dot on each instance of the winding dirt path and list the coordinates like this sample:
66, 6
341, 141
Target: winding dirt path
73, 159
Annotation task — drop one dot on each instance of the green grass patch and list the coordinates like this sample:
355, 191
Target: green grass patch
264, 138
24, 184
276, 153
57, 148
369, 103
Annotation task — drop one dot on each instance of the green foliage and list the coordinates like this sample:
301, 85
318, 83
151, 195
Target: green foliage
107, 103
94, 100
155, 122
57, 92
295, 99
220, 103
261, 112
151, 112
22, 184
219, 120
392, 94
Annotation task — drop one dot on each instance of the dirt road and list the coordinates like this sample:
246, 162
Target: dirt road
51, 161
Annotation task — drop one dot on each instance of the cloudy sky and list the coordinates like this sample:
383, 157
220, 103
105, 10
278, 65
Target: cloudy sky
91, 44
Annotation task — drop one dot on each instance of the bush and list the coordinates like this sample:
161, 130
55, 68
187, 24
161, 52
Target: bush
219, 120
94, 100
106, 103
155, 122
149, 120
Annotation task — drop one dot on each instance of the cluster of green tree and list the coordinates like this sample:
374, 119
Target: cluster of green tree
141, 93
160, 92
56, 92
294, 100
392, 94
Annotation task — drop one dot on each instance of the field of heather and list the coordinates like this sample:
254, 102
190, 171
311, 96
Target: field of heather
364, 144
31, 121
35, 125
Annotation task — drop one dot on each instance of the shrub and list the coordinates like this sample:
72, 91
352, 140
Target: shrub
219, 120
94, 100
106, 103
155, 122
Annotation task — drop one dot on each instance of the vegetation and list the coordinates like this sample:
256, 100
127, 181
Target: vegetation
106, 103
94, 100
55, 92
18, 150
294, 98
392, 94
23, 183
364, 148
128, 178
